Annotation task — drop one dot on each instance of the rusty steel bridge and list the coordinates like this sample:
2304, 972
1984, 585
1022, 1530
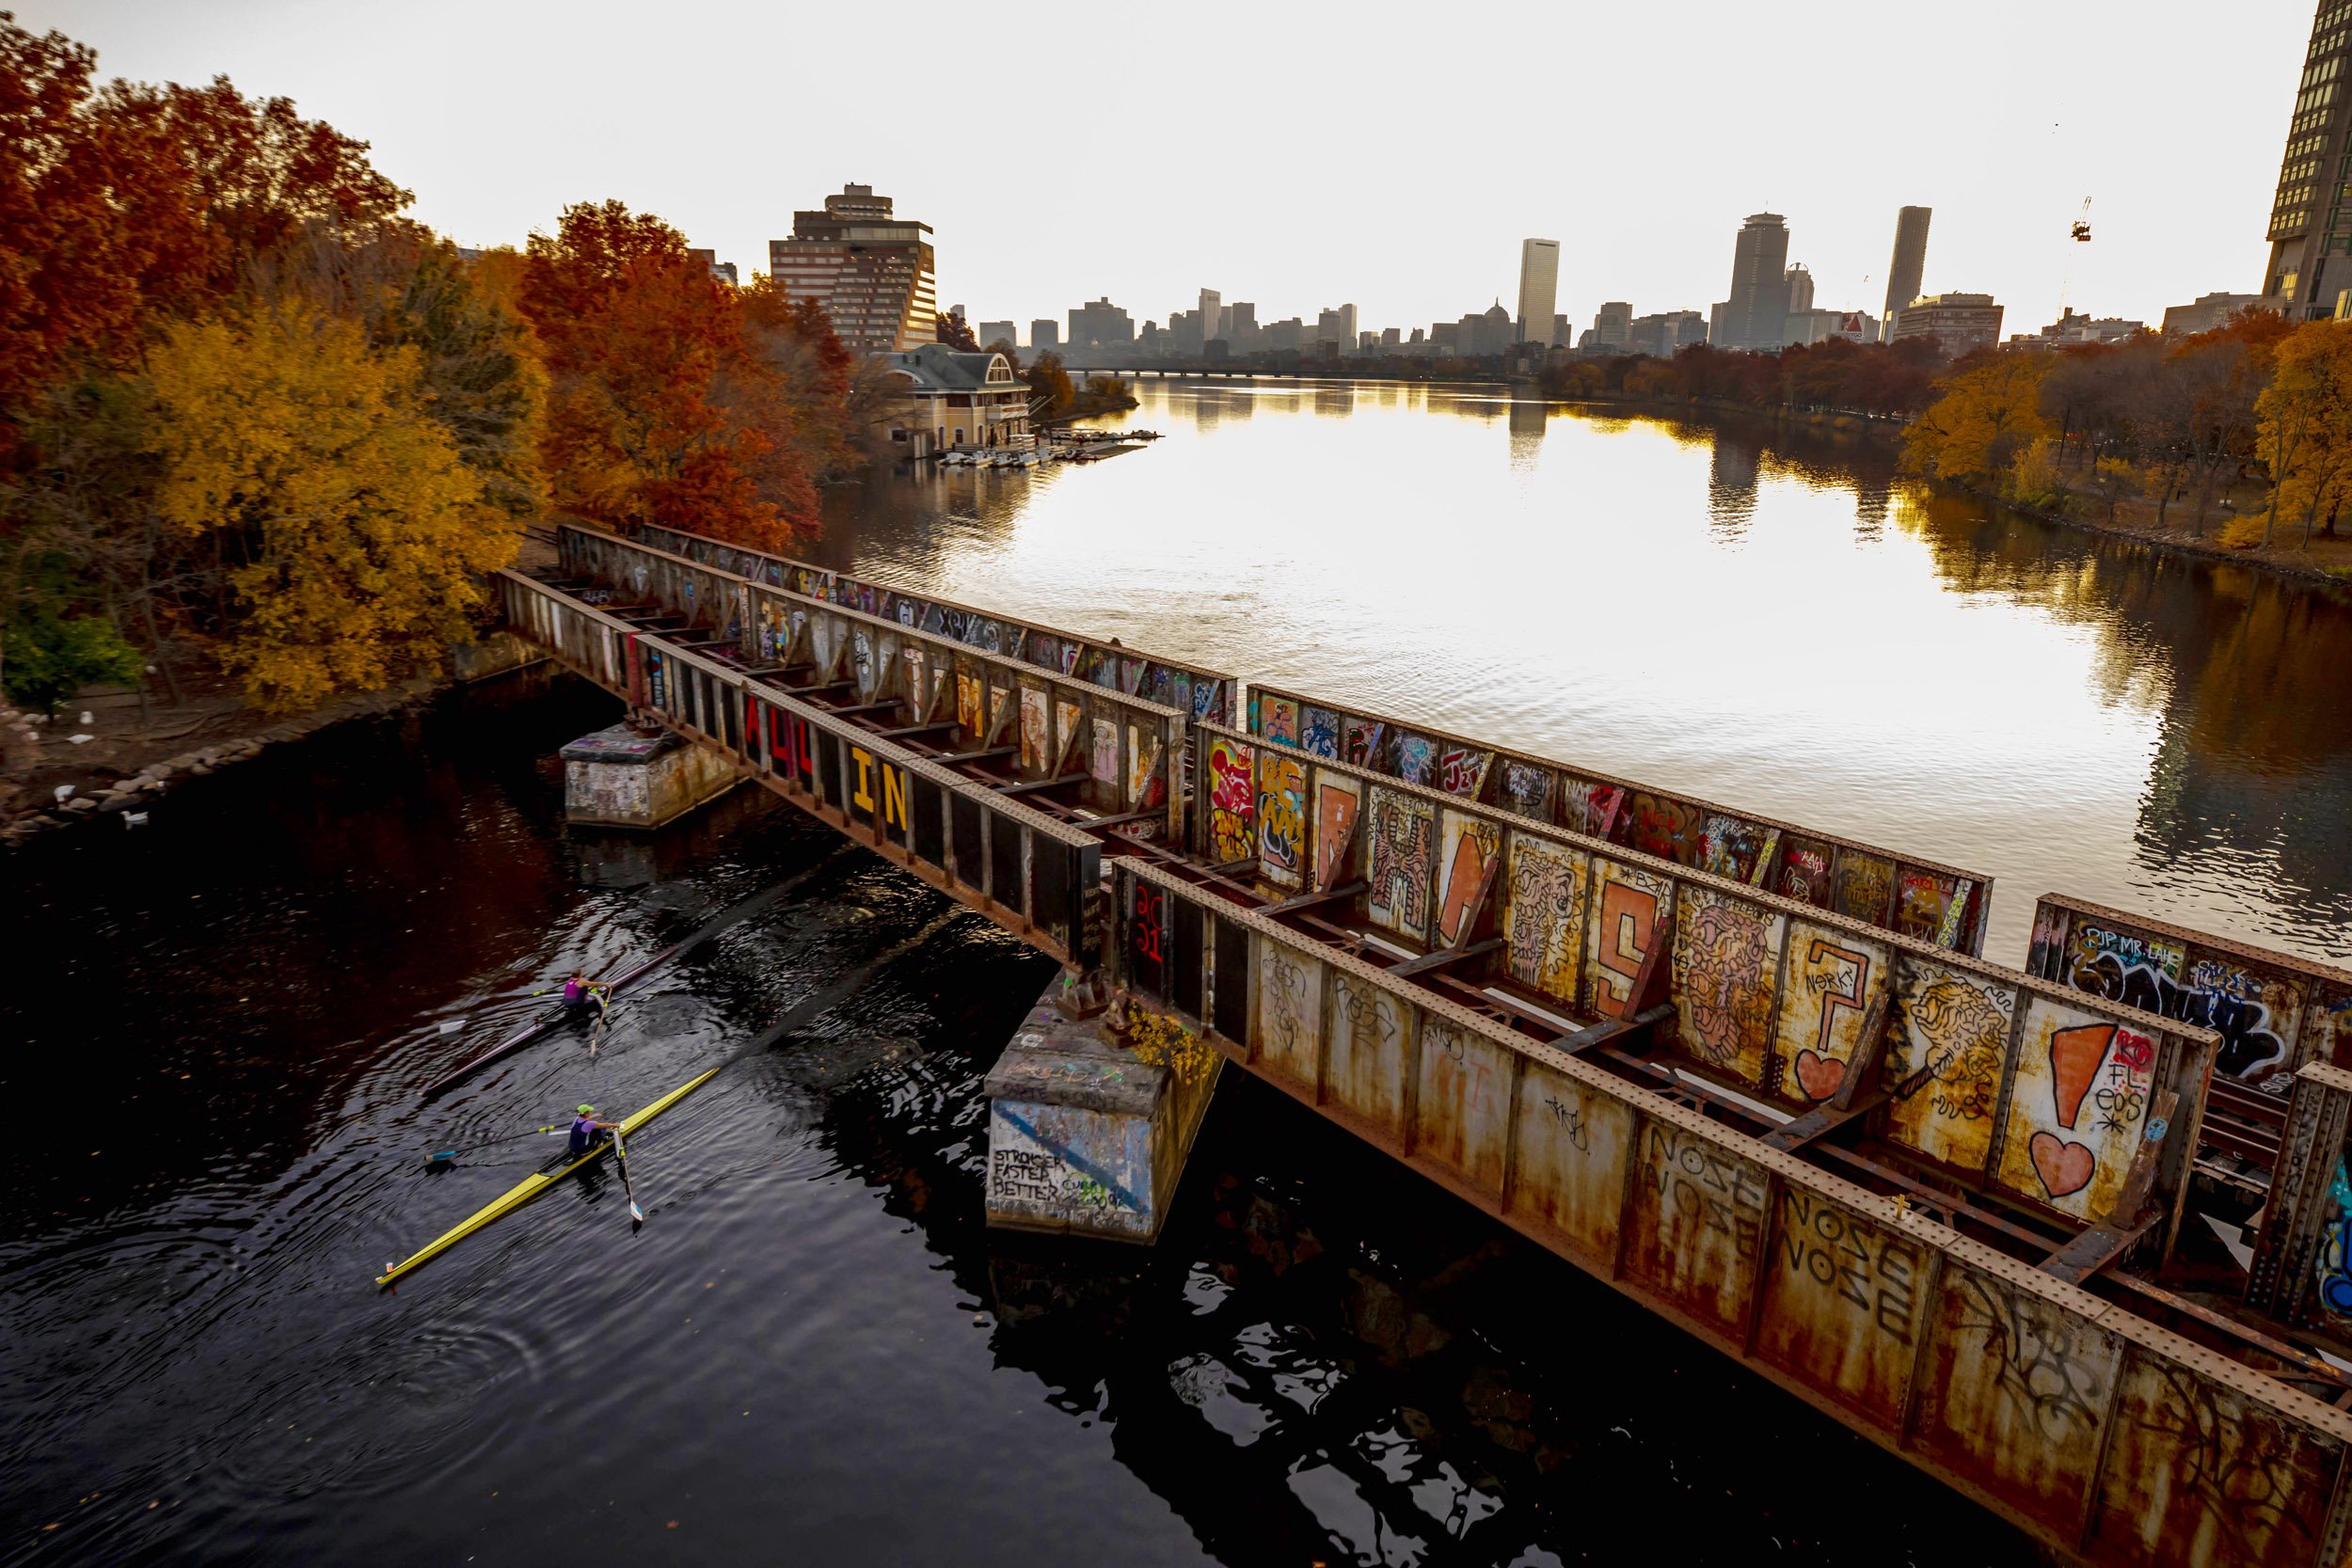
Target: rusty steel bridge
1758, 1076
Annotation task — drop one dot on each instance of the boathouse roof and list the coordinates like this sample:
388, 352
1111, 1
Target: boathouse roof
937, 368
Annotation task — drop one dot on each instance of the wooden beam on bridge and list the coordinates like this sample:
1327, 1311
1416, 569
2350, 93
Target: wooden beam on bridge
1823, 1119
2126, 1221
1599, 1035
1848, 1101
1079, 777
1309, 900
1444, 956
1115, 821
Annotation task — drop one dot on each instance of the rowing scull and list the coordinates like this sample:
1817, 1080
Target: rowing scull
542, 1025
535, 1183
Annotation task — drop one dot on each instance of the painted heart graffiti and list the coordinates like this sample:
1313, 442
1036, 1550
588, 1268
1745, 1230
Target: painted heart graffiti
1819, 1076
2065, 1166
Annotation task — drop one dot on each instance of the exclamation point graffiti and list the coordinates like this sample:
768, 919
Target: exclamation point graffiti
2064, 1165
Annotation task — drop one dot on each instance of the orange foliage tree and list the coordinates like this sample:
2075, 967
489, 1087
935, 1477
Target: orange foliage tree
661, 409
796, 339
129, 205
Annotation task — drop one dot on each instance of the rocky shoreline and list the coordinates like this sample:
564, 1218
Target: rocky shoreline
131, 798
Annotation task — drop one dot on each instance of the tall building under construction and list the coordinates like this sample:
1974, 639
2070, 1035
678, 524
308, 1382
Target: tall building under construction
1909, 262
870, 270
2311, 221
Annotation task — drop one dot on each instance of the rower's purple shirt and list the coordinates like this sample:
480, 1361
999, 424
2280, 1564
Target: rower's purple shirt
572, 989
583, 1134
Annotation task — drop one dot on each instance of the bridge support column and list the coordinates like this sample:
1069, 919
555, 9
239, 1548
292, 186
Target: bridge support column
626, 777
1090, 1120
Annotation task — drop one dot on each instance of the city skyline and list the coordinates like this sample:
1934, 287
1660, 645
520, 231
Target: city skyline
2181, 200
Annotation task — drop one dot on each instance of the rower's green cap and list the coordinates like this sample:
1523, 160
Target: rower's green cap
587, 1110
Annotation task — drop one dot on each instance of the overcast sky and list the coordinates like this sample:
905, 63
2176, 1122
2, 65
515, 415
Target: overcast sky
1303, 157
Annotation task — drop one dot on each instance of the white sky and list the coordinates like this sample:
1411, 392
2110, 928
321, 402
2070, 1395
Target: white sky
1303, 157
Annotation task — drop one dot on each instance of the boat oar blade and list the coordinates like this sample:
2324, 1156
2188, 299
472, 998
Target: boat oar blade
620, 1162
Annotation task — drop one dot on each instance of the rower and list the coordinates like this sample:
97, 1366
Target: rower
586, 1129
579, 995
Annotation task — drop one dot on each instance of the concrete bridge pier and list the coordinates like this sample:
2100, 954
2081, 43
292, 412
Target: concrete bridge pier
633, 777
1093, 1112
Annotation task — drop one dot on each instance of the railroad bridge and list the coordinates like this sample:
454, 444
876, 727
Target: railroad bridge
1758, 1076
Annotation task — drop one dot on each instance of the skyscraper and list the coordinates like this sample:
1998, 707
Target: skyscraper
1337, 326
1757, 314
1212, 313
870, 272
1910, 260
1539, 289
1241, 326
1800, 290
2308, 217
1099, 324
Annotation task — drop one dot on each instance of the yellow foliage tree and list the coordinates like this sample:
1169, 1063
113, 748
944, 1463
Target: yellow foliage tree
351, 527
1986, 417
2305, 430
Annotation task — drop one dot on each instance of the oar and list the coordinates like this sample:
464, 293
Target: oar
620, 1158
711, 928
449, 1156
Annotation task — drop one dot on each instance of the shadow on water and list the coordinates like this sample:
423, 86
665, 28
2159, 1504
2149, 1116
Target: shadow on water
1323, 1360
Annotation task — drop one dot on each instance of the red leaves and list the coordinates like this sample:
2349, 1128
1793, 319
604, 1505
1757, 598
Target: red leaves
136, 201
663, 411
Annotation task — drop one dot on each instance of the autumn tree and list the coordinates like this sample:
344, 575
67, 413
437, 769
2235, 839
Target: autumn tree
835, 398
1987, 415
956, 333
350, 527
2088, 392
2304, 417
479, 362
1050, 390
83, 537
659, 410
126, 211
125, 206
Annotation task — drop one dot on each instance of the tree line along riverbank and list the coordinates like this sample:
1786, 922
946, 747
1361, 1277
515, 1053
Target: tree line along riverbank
256, 420
2233, 444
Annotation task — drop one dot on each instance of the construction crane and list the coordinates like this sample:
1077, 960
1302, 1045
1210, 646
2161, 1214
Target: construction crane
2081, 230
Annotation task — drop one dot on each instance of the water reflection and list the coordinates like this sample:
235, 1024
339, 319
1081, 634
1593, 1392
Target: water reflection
1529, 416
1751, 612
1731, 485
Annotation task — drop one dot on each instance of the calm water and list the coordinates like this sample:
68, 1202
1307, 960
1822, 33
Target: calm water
218, 1025
1770, 623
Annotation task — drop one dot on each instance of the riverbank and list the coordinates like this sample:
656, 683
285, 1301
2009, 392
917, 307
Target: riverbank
2325, 561
129, 770
1886, 428
116, 750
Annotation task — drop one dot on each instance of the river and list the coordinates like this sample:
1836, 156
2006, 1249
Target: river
814, 1351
